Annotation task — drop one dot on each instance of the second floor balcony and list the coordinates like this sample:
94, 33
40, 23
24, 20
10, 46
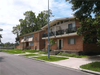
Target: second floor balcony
61, 32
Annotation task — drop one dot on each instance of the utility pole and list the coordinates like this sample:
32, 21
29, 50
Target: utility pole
48, 30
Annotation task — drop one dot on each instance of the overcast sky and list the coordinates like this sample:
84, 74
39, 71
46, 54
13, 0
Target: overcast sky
12, 10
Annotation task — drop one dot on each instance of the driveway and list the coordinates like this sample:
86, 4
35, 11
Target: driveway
16, 65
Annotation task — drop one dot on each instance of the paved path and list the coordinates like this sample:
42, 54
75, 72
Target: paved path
77, 62
16, 65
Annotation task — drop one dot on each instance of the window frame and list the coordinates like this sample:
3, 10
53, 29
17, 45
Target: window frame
31, 44
70, 42
32, 35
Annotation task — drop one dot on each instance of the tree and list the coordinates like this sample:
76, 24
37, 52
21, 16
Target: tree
90, 27
31, 23
16, 30
42, 18
84, 8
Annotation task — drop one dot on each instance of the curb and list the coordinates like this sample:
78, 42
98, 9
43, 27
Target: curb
89, 71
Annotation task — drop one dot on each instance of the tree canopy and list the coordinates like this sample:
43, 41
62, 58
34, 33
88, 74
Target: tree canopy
90, 26
31, 23
85, 8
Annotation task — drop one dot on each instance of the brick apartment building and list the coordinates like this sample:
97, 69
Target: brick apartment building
63, 32
32, 40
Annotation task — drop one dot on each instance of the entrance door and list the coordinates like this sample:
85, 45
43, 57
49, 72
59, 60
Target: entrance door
59, 44
27, 44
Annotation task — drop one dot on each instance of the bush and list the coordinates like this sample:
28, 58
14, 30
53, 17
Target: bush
71, 55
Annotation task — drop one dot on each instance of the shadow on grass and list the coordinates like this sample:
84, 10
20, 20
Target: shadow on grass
94, 57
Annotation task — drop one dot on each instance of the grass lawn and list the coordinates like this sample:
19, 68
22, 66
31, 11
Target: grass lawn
40, 52
72, 55
94, 66
14, 51
27, 55
52, 58
18, 51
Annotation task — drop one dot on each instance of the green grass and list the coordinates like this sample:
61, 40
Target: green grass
52, 58
72, 55
31, 51
94, 66
18, 51
14, 51
30, 55
40, 52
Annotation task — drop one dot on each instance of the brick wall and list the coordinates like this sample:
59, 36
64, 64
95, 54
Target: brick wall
41, 41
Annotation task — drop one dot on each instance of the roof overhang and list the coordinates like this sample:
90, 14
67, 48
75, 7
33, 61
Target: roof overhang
57, 20
31, 33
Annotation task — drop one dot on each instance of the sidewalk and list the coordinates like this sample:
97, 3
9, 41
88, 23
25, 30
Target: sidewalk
73, 62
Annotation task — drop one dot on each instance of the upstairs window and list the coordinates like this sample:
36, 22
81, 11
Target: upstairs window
54, 25
27, 37
24, 37
71, 25
32, 35
61, 22
66, 21
58, 23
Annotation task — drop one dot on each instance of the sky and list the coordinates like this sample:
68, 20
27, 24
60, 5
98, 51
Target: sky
12, 10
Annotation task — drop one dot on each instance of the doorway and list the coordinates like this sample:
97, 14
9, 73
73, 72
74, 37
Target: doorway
27, 44
59, 44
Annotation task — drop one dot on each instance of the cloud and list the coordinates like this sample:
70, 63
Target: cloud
12, 10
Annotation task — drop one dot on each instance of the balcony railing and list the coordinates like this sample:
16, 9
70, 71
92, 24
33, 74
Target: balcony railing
61, 32
71, 30
50, 34
44, 35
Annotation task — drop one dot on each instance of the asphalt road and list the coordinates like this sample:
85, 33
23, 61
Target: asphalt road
17, 65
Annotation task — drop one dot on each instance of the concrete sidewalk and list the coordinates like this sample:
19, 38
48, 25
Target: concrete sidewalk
74, 62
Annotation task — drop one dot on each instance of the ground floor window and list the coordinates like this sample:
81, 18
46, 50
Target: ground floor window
71, 41
23, 44
31, 43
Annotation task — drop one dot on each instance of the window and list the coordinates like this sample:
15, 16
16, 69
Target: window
58, 23
27, 37
61, 22
23, 44
24, 37
72, 41
66, 20
32, 35
54, 25
31, 43
70, 26
35, 38
72, 20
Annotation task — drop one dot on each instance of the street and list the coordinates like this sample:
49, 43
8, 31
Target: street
17, 65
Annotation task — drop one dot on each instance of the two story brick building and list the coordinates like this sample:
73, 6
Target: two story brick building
32, 40
63, 32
